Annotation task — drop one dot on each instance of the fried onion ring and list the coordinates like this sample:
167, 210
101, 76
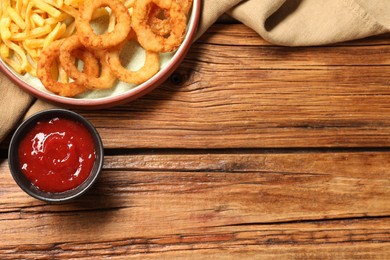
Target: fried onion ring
159, 21
106, 78
45, 64
159, 18
185, 5
148, 70
152, 41
109, 39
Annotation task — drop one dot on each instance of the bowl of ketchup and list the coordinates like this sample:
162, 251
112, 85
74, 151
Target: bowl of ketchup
55, 155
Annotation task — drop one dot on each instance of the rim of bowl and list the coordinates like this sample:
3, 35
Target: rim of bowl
124, 97
23, 128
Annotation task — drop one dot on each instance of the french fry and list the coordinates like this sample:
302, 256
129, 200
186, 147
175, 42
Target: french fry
20, 54
4, 50
57, 32
32, 70
51, 10
32, 52
61, 18
35, 43
34, 33
18, 20
15, 65
14, 28
5, 32
28, 14
24, 8
28, 26
39, 21
70, 30
111, 23
18, 6
5, 4
60, 3
70, 10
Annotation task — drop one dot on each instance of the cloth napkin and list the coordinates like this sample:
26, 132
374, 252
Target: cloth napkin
282, 22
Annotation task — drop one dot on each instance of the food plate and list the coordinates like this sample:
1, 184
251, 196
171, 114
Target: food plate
122, 92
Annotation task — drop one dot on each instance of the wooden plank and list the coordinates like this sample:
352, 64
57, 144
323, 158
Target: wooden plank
282, 204
235, 34
227, 94
360, 239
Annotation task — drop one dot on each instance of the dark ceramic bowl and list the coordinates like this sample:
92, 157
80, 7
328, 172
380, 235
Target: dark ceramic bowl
26, 184
121, 93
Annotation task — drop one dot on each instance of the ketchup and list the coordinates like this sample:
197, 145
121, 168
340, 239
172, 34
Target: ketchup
57, 155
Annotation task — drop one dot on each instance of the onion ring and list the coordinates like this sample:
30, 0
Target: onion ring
48, 59
148, 70
147, 38
109, 39
159, 18
158, 21
185, 5
106, 78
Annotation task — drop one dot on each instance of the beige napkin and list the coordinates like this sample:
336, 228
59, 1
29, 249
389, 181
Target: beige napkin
284, 22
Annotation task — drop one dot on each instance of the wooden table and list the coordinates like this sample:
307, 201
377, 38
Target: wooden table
250, 150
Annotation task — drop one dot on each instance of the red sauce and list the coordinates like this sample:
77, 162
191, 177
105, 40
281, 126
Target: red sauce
57, 155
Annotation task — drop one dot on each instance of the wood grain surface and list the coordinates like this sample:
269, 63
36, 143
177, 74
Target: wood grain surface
248, 151
209, 203
234, 87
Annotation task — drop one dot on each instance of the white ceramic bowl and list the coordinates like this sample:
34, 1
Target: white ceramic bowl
122, 92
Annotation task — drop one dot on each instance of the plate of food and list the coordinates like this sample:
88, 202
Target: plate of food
92, 54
